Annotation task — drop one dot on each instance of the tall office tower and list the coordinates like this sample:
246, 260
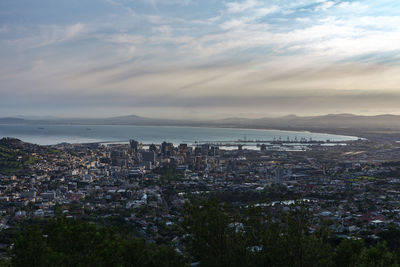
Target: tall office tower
154, 148
134, 145
167, 149
278, 175
149, 156
263, 147
183, 148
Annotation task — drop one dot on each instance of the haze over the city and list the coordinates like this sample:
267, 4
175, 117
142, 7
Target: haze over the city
199, 59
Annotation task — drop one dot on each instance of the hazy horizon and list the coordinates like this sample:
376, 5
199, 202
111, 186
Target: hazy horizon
199, 59
240, 116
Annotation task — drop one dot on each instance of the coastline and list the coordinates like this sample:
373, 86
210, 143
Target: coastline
101, 133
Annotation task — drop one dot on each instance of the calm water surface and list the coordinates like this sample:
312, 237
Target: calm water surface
54, 134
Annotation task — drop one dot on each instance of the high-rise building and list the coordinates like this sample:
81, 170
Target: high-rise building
149, 156
278, 175
183, 148
167, 149
214, 151
153, 147
134, 145
205, 148
263, 147
197, 151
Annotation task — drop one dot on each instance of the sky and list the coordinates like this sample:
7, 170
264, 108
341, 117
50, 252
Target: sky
198, 59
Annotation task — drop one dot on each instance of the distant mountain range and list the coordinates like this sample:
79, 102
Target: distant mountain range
330, 121
290, 122
12, 120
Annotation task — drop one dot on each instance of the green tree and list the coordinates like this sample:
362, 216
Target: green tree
215, 237
220, 237
377, 256
68, 242
348, 252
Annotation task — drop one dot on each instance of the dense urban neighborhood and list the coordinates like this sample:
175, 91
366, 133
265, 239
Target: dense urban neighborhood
352, 188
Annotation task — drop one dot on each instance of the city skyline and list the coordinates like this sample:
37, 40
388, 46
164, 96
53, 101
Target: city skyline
198, 59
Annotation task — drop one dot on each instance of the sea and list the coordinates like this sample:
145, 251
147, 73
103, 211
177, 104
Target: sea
55, 134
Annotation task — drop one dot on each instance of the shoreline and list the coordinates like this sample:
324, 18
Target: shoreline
256, 134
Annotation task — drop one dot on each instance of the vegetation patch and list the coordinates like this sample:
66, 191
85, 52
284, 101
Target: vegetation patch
14, 161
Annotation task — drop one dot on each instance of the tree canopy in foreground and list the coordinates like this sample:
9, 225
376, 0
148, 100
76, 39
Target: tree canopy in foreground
214, 235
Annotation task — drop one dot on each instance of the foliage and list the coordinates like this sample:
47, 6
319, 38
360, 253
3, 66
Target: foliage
214, 235
13, 161
392, 237
69, 242
51, 150
219, 236
169, 173
213, 241
354, 253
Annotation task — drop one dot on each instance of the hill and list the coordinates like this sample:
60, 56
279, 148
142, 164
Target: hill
331, 121
8, 120
12, 159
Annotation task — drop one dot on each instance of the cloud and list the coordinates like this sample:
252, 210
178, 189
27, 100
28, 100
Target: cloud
131, 39
352, 6
47, 35
153, 3
72, 31
247, 54
324, 5
122, 5
261, 12
237, 7
3, 28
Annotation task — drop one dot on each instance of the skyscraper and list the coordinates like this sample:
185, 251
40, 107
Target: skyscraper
278, 175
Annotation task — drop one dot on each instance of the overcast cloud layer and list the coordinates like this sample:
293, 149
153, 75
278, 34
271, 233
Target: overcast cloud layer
197, 59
